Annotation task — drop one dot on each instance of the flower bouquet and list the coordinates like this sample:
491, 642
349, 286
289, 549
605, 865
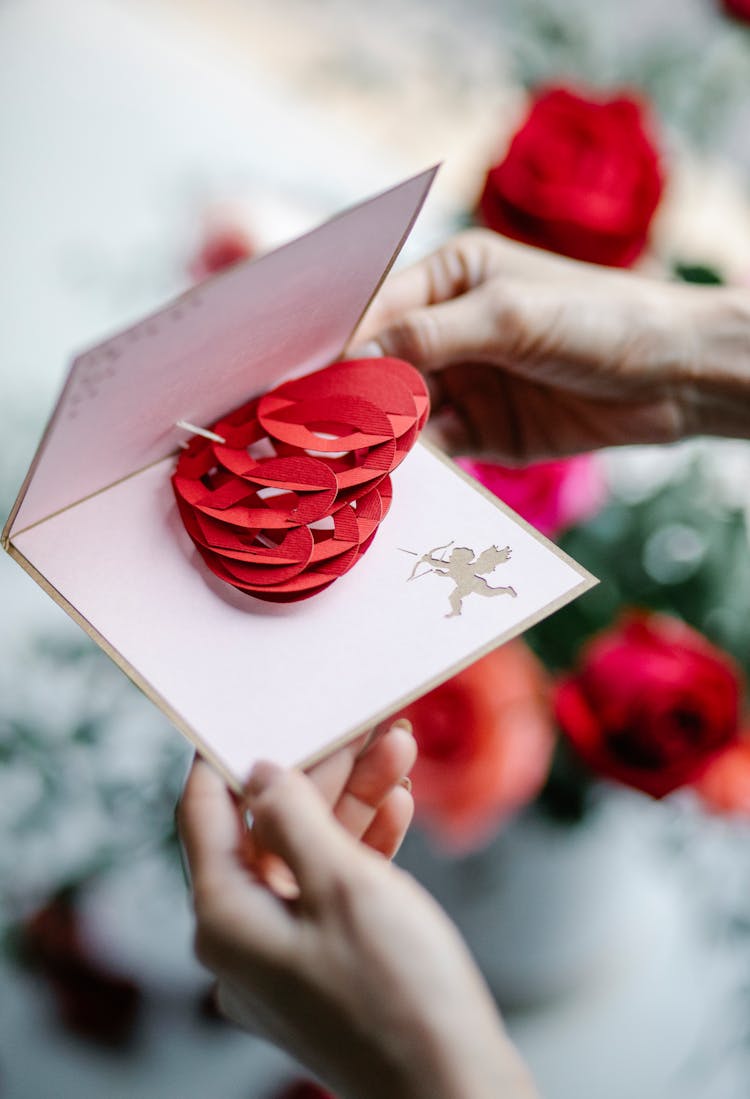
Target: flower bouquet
640, 684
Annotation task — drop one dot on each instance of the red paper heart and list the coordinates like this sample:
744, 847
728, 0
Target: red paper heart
295, 495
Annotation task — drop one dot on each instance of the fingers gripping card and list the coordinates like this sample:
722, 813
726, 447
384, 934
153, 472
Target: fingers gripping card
303, 565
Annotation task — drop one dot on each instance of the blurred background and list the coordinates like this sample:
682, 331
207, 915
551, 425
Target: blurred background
145, 145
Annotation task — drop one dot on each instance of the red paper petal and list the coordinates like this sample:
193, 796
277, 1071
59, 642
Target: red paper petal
294, 496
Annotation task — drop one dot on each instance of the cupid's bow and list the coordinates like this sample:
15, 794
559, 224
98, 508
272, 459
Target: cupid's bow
425, 559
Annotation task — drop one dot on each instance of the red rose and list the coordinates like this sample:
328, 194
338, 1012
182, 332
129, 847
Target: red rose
485, 743
305, 1089
740, 9
652, 704
92, 1001
580, 177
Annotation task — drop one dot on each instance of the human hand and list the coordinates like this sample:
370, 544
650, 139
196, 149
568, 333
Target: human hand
532, 356
362, 977
364, 783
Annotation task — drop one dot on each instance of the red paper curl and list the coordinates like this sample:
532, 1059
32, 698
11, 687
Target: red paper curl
296, 493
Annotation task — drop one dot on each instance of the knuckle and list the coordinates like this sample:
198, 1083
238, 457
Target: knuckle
456, 267
265, 806
343, 900
510, 322
446, 272
414, 338
268, 806
481, 250
352, 894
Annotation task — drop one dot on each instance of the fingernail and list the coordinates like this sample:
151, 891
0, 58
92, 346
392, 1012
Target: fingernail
406, 783
405, 724
261, 776
369, 350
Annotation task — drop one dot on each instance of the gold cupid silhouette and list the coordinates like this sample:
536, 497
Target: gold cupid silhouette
466, 571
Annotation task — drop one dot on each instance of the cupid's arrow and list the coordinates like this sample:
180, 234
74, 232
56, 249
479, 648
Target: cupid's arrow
424, 559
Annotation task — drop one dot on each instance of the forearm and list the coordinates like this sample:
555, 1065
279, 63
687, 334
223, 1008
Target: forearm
482, 1064
469, 1059
679, 353
443, 1046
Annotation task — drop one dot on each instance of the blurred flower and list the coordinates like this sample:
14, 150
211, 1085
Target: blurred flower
725, 786
652, 704
226, 241
739, 9
92, 1001
485, 743
552, 496
91, 770
581, 177
304, 1089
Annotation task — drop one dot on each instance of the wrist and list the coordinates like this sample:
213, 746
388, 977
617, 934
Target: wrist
444, 1055
478, 1069
713, 387
470, 1057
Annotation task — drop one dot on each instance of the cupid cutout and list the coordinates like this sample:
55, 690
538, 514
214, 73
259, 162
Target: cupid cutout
466, 571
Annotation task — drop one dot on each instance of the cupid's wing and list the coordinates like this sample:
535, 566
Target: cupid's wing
489, 560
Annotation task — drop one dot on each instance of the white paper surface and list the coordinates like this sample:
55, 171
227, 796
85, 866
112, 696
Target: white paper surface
252, 680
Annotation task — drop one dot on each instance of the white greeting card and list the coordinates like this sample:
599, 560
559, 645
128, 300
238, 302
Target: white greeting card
451, 572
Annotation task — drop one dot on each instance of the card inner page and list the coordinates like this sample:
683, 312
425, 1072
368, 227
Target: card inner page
248, 680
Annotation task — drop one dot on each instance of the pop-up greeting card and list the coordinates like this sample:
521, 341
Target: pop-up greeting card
252, 530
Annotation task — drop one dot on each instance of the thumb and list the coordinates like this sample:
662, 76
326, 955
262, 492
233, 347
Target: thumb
291, 820
470, 328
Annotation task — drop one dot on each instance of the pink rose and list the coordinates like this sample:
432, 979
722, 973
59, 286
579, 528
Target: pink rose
552, 496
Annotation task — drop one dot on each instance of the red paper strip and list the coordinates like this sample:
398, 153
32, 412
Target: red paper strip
295, 496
